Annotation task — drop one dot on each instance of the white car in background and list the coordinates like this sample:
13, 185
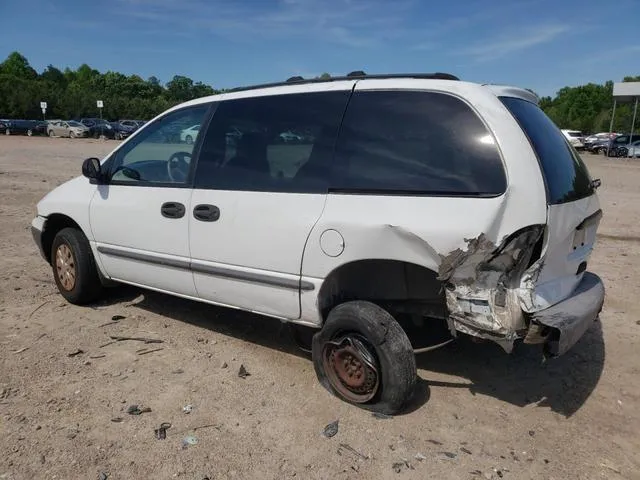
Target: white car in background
188, 135
575, 137
634, 149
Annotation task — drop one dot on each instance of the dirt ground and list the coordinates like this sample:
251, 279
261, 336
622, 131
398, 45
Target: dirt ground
478, 412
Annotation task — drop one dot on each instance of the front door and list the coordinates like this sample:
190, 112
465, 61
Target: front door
260, 186
140, 219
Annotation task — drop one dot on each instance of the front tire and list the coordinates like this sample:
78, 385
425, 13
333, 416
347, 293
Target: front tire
74, 268
363, 356
29, 133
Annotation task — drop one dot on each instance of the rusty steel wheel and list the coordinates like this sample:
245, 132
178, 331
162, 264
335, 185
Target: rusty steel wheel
352, 367
363, 356
66, 267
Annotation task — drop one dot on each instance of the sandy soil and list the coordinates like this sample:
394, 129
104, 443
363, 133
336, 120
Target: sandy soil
478, 412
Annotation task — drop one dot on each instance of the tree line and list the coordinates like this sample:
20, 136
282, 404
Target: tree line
73, 94
589, 108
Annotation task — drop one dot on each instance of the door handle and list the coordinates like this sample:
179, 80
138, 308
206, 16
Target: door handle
172, 210
206, 213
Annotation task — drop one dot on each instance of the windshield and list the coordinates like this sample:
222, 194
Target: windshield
73, 123
565, 174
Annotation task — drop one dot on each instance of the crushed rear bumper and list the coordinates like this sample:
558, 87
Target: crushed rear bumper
571, 318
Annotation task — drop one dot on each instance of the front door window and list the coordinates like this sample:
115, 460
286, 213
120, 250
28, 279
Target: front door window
157, 154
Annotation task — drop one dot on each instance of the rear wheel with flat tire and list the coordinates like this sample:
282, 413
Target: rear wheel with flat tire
74, 268
363, 356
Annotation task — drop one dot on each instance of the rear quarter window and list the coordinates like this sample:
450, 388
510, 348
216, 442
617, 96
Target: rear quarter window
415, 142
566, 176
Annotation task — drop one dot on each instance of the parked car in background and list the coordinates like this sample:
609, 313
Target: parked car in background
290, 137
617, 147
66, 128
634, 149
575, 137
597, 138
130, 124
188, 135
23, 127
99, 127
122, 131
599, 146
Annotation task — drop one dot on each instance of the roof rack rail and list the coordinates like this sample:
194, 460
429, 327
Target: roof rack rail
358, 74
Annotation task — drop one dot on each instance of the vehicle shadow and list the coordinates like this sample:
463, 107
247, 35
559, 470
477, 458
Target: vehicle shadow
562, 384
254, 328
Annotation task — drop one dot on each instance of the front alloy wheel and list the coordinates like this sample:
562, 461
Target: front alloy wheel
74, 268
65, 267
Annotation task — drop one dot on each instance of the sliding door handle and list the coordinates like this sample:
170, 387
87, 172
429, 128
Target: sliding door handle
206, 213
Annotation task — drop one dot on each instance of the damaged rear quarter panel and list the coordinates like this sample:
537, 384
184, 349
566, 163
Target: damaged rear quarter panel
431, 231
483, 282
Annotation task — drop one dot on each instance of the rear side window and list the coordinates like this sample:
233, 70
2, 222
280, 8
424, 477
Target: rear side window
566, 175
281, 143
411, 142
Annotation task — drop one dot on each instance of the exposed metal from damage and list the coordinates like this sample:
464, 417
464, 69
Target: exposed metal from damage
483, 283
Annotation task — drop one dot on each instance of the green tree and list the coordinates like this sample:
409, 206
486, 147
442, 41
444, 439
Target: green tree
18, 66
73, 93
180, 89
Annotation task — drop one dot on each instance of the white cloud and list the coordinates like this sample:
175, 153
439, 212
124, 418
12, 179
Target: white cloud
515, 42
353, 23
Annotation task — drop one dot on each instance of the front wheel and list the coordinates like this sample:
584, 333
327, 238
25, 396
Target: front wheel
72, 135
363, 356
51, 133
29, 133
74, 268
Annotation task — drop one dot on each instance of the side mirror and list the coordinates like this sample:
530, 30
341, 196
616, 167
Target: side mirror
91, 168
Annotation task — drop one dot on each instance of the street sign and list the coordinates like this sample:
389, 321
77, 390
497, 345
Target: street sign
100, 103
43, 105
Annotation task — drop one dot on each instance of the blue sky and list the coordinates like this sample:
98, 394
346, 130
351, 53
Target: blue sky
539, 44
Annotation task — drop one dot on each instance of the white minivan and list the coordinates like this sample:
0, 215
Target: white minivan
407, 204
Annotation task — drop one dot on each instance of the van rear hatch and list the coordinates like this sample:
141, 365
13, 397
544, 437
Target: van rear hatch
573, 212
